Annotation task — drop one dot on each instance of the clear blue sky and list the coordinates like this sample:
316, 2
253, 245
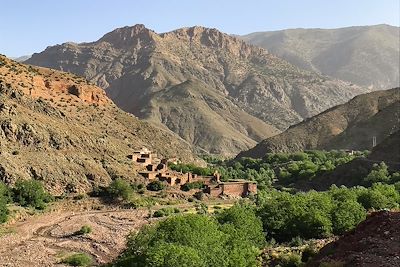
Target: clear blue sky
29, 26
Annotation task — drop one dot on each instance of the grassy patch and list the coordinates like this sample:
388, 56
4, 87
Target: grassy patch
78, 259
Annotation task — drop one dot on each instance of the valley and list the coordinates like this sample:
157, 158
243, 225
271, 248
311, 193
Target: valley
221, 134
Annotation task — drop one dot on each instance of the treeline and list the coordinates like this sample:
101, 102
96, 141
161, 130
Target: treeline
321, 214
29, 193
233, 237
285, 167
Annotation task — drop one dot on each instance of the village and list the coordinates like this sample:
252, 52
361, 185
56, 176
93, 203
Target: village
154, 169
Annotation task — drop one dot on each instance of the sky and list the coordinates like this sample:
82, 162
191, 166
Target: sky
30, 26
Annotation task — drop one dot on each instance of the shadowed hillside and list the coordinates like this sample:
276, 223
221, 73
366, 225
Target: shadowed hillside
348, 126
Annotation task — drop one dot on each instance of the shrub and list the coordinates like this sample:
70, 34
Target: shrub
31, 193
86, 229
165, 212
78, 259
346, 215
290, 259
155, 186
5, 192
379, 173
120, 188
194, 185
3, 209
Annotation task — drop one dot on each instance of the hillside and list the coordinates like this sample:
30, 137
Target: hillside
58, 128
367, 55
374, 242
353, 173
133, 64
348, 126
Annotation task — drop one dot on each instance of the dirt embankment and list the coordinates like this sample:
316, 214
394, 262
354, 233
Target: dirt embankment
374, 242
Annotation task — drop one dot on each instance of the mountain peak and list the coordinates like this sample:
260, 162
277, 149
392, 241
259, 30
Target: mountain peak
128, 36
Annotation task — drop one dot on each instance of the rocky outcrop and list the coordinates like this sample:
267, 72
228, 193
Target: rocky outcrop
135, 64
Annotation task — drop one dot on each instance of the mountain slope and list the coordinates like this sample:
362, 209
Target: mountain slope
134, 63
348, 126
58, 128
366, 55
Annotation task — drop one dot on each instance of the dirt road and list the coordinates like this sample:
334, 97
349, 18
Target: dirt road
44, 239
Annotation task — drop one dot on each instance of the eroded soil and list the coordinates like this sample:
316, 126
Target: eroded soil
44, 240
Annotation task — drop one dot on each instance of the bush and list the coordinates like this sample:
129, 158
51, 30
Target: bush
194, 185
78, 259
5, 192
155, 186
86, 229
163, 212
31, 193
3, 209
119, 188
346, 215
290, 259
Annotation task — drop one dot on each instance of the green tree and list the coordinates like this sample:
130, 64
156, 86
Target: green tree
346, 215
192, 240
378, 174
31, 193
119, 188
155, 186
3, 209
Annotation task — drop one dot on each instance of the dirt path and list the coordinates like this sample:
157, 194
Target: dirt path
44, 239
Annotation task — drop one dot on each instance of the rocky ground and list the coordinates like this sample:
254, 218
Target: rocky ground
43, 240
374, 242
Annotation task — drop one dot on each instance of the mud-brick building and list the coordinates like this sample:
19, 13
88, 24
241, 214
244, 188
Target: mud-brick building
233, 188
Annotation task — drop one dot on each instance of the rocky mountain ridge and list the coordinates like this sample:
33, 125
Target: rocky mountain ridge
134, 63
364, 55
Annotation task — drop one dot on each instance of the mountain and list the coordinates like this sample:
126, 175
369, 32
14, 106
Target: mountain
234, 83
21, 58
58, 128
367, 55
348, 126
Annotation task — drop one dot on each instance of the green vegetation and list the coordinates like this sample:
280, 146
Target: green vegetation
78, 259
197, 240
194, 185
321, 214
3, 209
164, 212
120, 188
31, 193
286, 168
155, 186
85, 229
